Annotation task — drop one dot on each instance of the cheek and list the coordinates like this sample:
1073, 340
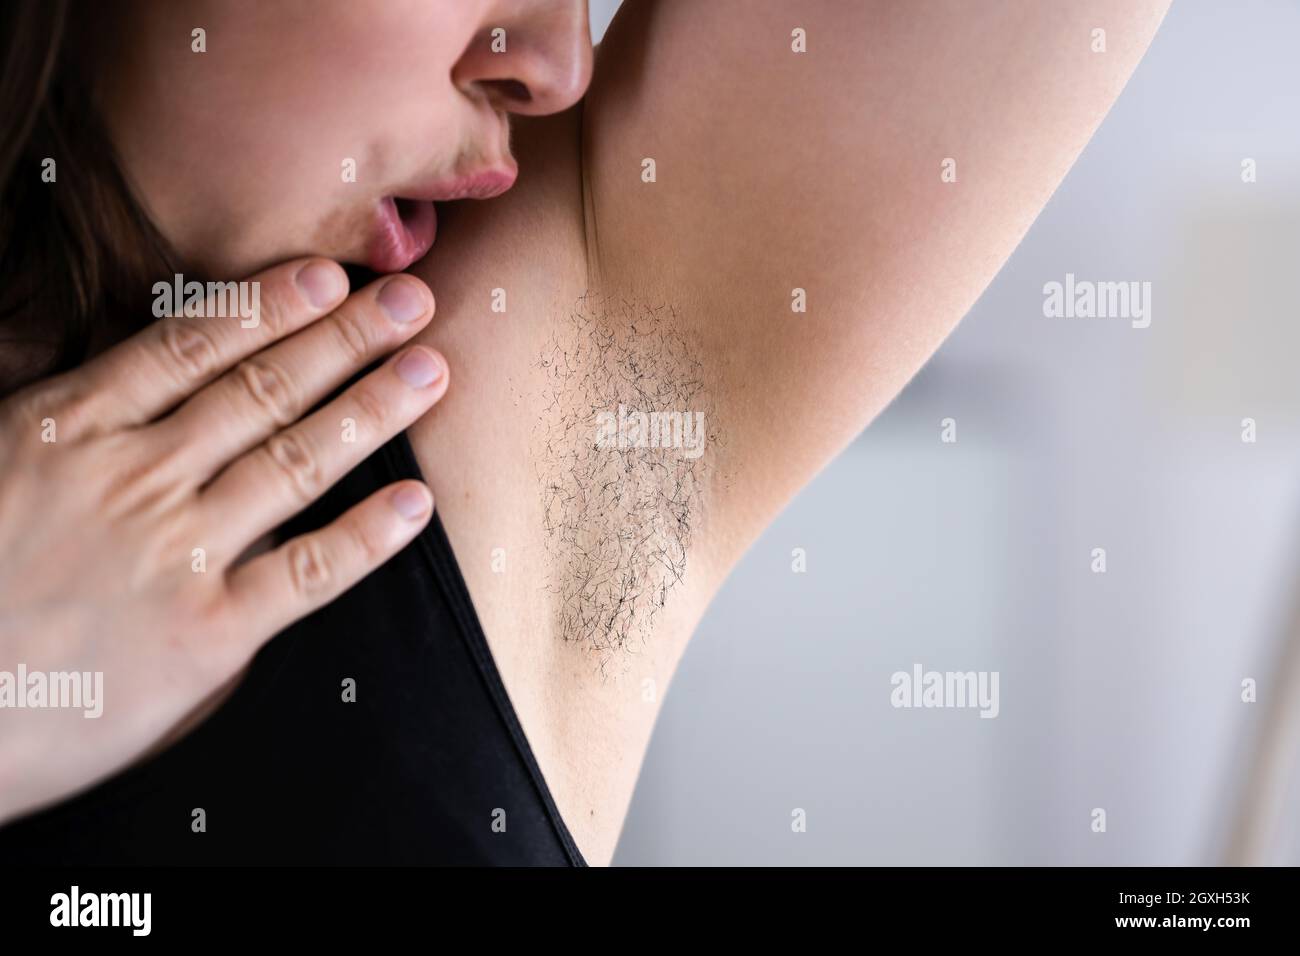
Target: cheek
400, 74
374, 88
249, 143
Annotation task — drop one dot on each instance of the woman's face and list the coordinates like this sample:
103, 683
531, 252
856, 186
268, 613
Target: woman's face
327, 127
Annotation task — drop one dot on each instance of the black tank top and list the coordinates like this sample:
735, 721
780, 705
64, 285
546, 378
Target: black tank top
429, 764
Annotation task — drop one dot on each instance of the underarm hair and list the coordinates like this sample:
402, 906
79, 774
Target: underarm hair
623, 449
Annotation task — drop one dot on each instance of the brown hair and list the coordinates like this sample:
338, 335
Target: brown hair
78, 255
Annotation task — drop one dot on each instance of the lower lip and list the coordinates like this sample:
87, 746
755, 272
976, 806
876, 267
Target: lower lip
405, 231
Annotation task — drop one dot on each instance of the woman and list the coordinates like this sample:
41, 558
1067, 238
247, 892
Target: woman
748, 210
170, 452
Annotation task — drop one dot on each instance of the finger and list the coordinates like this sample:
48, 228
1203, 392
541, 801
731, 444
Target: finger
154, 370
275, 589
294, 467
274, 388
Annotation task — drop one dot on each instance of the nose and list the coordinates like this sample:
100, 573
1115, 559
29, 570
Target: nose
536, 60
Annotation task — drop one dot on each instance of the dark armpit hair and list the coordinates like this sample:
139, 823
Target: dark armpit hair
78, 256
620, 518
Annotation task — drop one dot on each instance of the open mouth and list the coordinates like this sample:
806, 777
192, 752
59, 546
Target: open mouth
406, 226
406, 230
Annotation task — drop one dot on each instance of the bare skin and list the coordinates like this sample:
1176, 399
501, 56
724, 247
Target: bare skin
775, 171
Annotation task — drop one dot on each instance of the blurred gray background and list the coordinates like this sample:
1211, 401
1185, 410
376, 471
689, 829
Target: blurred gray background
1119, 690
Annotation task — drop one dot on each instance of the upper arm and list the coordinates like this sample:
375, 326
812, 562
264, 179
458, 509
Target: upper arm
821, 171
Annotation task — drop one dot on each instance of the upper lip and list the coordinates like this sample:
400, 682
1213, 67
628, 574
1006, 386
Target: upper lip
481, 183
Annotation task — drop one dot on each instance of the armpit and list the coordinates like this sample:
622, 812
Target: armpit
623, 453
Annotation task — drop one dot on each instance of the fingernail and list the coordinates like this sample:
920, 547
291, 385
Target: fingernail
418, 368
411, 502
402, 301
321, 283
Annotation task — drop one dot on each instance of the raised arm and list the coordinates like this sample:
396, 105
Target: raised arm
888, 172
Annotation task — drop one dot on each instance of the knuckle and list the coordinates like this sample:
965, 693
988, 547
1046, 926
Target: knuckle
59, 402
143, 476
310, 573
269, 388
275, 316
371, 407
78, 411
191, 352
221, 647
352, 332
364, 542
293, 459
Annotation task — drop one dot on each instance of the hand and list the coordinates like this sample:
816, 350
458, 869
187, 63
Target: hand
132, 486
